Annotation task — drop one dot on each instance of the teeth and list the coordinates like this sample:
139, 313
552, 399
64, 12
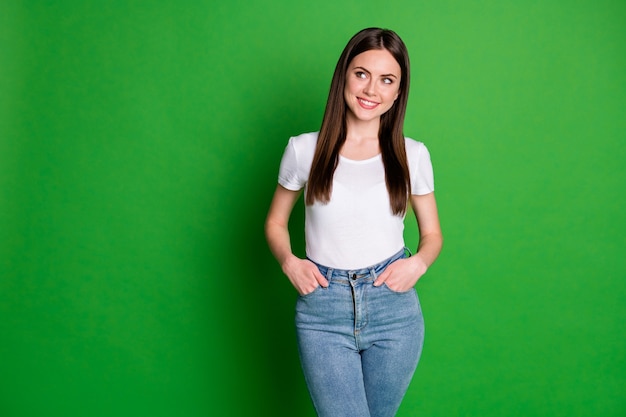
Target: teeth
368, 103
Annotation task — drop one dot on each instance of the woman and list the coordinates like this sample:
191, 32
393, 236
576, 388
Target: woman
358, 319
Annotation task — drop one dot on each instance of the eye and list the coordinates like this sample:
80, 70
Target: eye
361, 75
387, 81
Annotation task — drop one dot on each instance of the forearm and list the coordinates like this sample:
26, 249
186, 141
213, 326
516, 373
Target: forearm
276, 224
279, 241
431, 238
429, 248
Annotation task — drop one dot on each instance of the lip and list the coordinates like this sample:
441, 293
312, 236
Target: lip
367, 104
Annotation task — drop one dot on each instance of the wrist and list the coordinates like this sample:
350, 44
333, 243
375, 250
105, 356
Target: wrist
286, 261
419, 263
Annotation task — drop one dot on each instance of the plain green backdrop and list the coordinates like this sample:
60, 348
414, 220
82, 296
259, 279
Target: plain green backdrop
139, 148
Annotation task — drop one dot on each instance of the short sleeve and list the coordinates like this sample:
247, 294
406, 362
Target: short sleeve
422, 177
289, 174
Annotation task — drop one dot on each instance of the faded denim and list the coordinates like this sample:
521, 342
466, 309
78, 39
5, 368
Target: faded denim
359, 345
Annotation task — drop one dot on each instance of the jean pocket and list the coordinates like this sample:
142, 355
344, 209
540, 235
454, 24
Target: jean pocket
386, 287
310, 294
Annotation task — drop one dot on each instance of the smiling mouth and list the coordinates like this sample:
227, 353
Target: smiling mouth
366, 103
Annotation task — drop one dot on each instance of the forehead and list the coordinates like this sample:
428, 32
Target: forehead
378, 61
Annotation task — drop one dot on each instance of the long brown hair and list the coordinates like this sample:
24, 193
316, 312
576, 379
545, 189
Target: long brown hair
333, 131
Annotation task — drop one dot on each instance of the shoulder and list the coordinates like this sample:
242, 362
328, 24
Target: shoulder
414, 148
296, 161
420, 167
304, 140
301, 149
303, 146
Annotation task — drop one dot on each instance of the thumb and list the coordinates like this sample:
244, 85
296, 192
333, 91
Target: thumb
320, 278
382, 278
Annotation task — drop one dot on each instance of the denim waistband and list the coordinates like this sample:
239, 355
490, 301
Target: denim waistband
353, 274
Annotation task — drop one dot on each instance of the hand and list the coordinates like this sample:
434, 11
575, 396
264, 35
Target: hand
402, 274
303, 274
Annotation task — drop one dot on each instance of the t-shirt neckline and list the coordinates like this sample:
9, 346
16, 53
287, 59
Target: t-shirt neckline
360, 161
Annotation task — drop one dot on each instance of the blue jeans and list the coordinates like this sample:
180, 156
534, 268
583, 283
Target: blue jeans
359, 345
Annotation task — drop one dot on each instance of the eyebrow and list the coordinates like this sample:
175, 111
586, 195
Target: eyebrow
382, 75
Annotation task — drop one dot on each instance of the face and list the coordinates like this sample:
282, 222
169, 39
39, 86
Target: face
372, 84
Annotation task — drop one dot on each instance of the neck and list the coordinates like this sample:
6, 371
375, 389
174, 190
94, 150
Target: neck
360, 129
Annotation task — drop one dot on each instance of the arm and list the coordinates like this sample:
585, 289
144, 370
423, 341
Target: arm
404, 273
303, 274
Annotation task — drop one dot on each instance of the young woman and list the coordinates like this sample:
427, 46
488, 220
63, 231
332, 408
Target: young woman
359, 324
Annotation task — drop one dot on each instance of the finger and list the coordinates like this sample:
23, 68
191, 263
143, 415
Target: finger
320, 278
311, 282
382, 278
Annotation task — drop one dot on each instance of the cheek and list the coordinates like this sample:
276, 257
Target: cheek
346, 94
350, 86
396, 94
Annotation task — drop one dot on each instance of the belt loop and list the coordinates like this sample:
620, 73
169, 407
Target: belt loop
329, 274
373, 273
408, 250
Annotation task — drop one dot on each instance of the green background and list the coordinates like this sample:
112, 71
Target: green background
139, 148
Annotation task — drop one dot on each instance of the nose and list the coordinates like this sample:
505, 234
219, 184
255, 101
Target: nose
370, 88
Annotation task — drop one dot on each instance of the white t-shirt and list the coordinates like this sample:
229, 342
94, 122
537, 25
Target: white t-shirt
356, 228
